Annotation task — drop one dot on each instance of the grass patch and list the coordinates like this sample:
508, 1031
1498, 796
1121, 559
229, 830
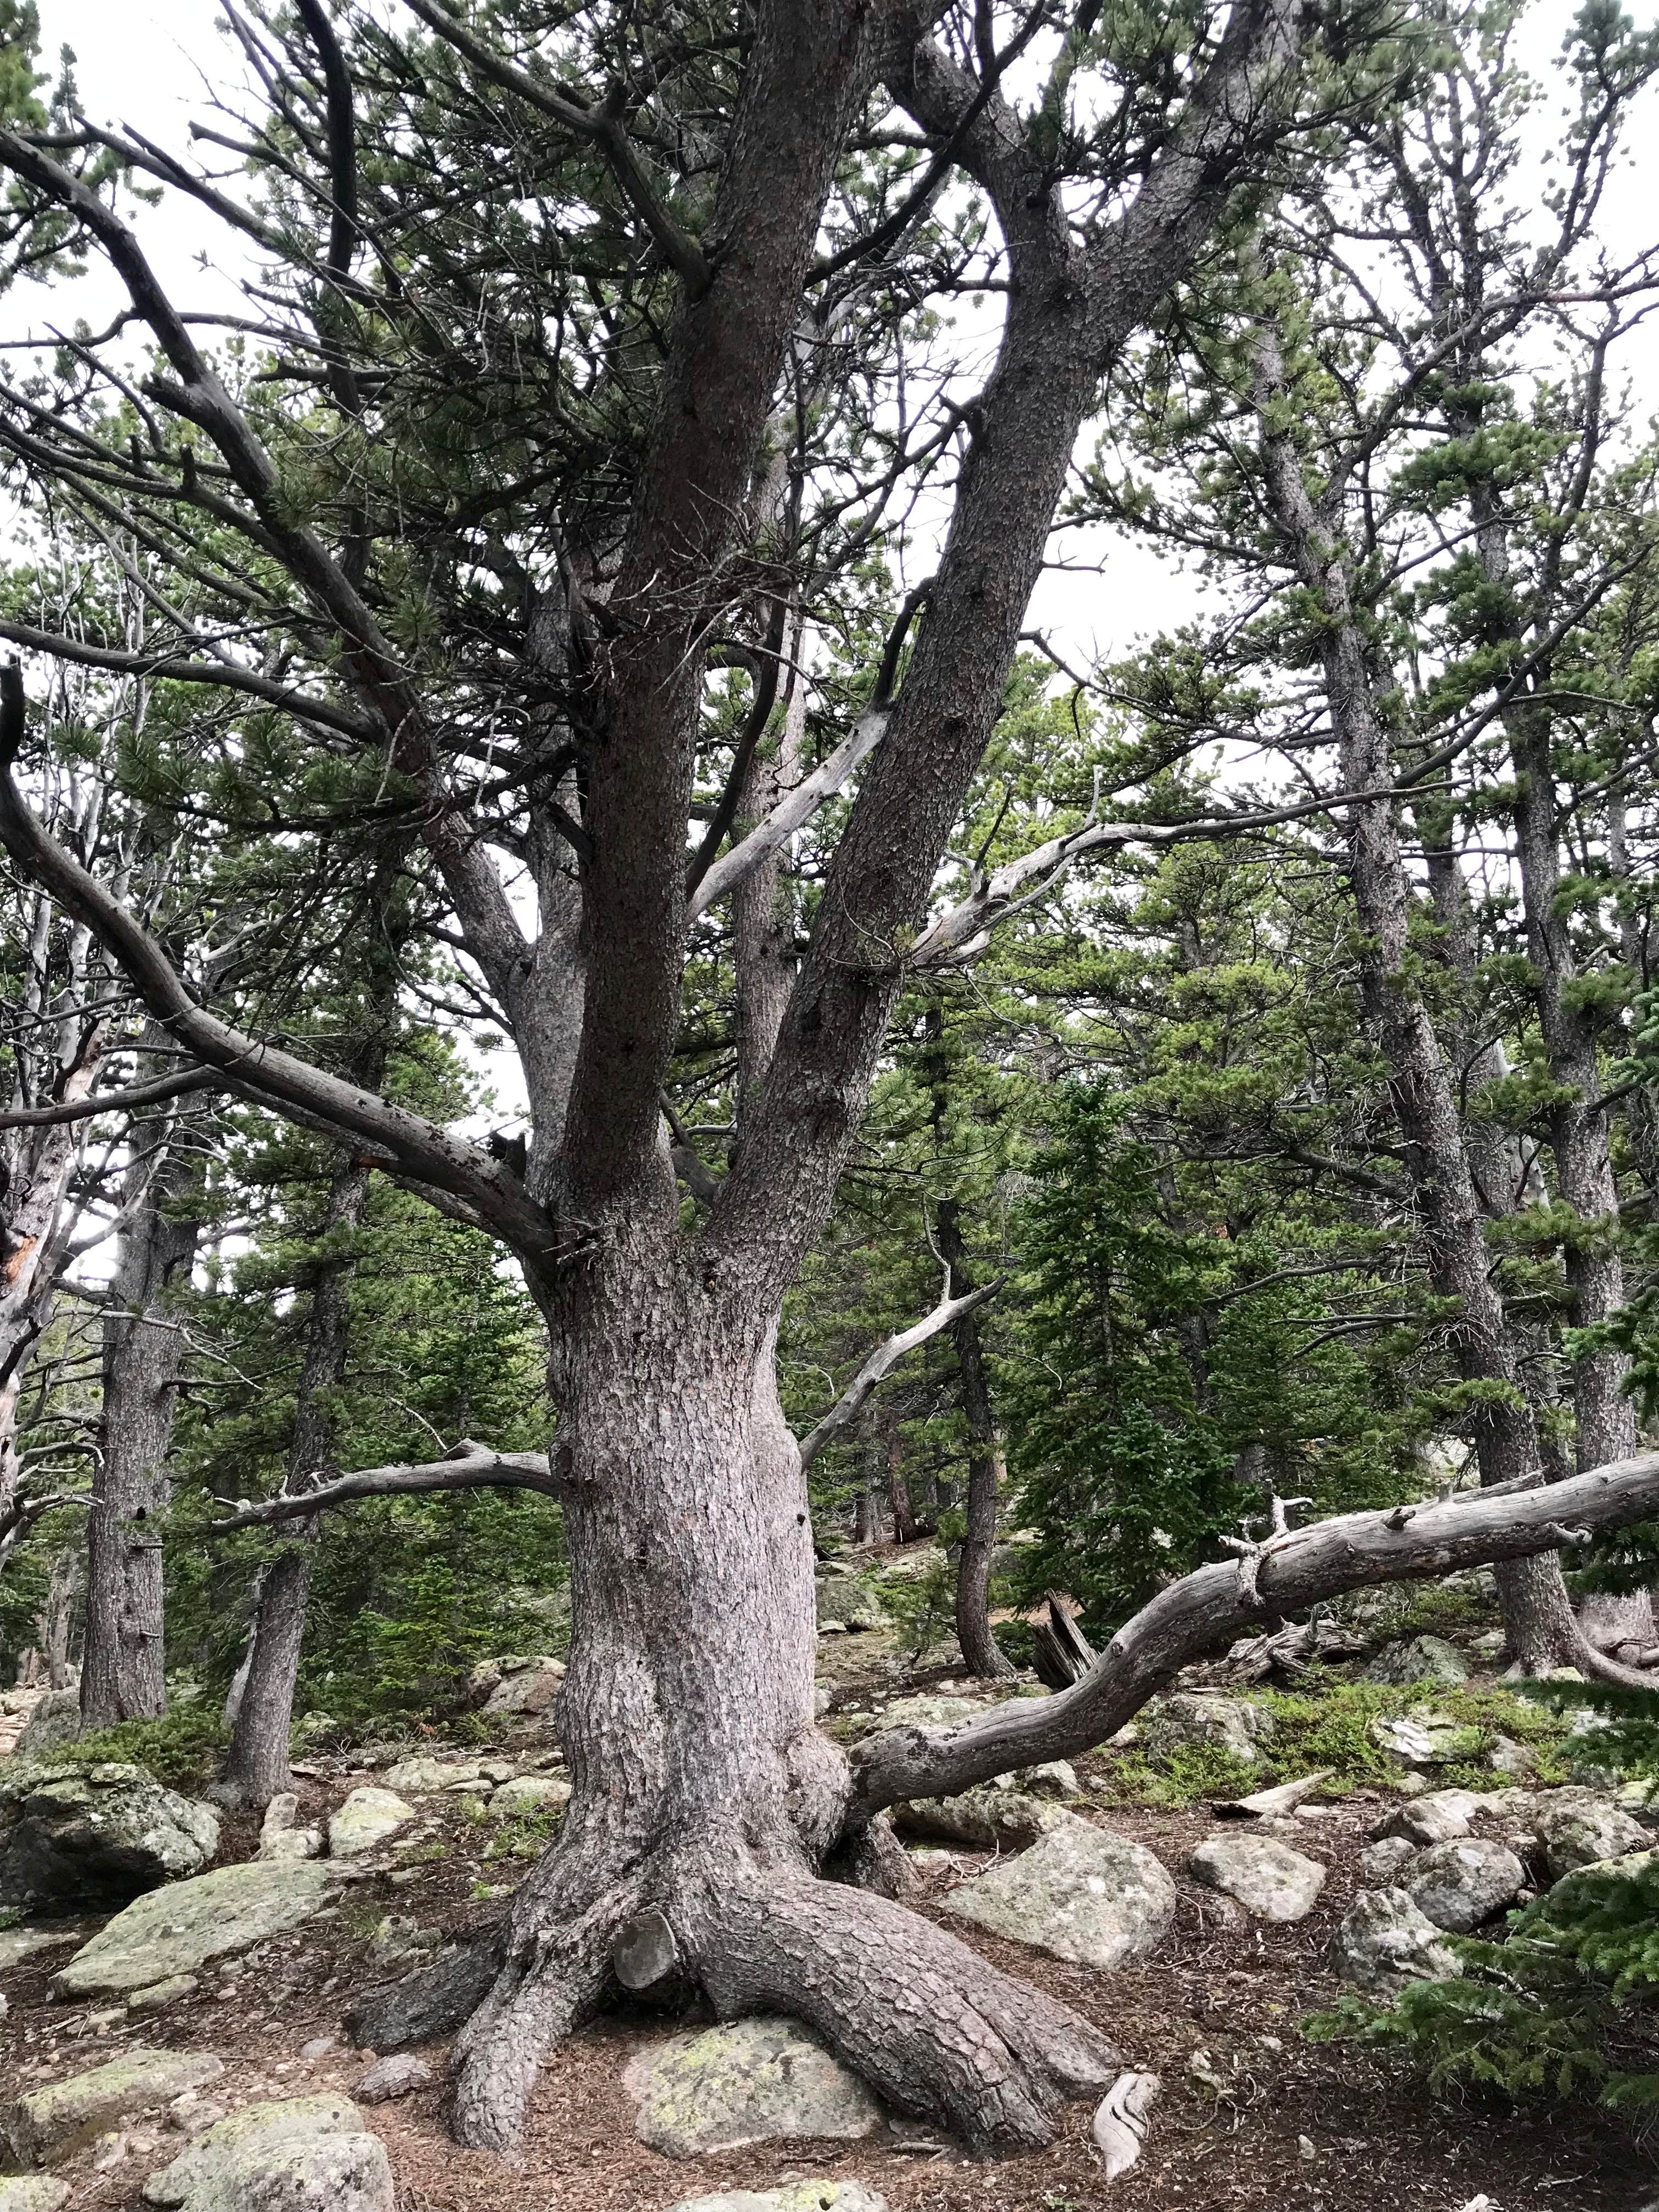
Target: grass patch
183, 1750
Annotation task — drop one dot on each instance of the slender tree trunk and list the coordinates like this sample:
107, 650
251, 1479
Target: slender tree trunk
124, 1676
257, 1765
58, 1617
1537, 1616
979, 1650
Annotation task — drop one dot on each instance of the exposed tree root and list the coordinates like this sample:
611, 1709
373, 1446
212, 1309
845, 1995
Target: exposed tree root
924, 2019
564, 1922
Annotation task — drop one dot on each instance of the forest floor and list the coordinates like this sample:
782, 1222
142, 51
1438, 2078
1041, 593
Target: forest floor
1300, 2126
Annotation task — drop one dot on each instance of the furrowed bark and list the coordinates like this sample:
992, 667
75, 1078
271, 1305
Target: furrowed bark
257, 1765
1209, 1608
124, 1676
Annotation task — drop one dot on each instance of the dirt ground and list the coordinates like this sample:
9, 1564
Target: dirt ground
1299, 2127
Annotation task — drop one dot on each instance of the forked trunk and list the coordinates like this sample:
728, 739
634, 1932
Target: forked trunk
705, 1801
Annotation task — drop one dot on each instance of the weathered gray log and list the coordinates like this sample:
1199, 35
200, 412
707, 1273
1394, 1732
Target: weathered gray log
435, 2000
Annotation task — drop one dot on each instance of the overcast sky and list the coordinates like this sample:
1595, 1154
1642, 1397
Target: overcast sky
152, 60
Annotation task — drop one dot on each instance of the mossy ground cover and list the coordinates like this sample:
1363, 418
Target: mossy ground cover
1328, 1723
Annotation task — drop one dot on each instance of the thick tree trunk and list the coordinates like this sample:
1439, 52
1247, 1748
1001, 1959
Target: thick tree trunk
1537, 1617
705, 1801
124, 1677
257, 1766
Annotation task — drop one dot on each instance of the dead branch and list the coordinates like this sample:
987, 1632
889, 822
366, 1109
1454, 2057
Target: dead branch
477, 1468
881, 1363
1208, 1608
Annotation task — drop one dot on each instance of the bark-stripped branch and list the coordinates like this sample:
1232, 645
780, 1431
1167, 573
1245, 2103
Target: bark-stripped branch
479, 1469
790, 813
1211, 1606
882, 1362
959, 934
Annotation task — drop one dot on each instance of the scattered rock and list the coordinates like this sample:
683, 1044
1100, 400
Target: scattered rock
32, 2192
721, 2087
55, 1721
928, 1709
1381, 1862
392, 2077
17, 1944
317, 2047
175, 1930
1234, 1725
280, 1839
1425, 1738
530, 1792
398, 1939
1459, 1884
793, 2196
1582, 1832
987, 1819
45, 2124
1417, 1659
1386, 1942
422, 1776
160, 1995
95, 1835
531, 1689
1078, 1894
300, 2154
1269, 1879
1506, 1756
1434, 1818
367, 1818
1055, 1777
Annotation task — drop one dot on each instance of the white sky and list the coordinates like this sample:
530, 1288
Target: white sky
152, 62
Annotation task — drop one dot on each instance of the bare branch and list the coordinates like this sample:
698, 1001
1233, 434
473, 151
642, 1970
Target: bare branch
791, 812
401, 1142
481, 1469
883, 1360
1213, 1606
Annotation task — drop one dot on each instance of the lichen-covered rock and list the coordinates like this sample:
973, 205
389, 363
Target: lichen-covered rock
1436, 1817
17, 1944
160, 1995
1582, 1833
177, 1929
1381, 1863
33, 2192
927, 1708
1425, 1738
1234, 1725
1269, 1879
55, 1722
1078, 1894
792, 2197
45, 2124
1417, 1659
530, 1792
299, 2154
749, 2082
531, 1689
1459, 1884
73, 1836
1386, 1942
369, 1817
984, 1819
